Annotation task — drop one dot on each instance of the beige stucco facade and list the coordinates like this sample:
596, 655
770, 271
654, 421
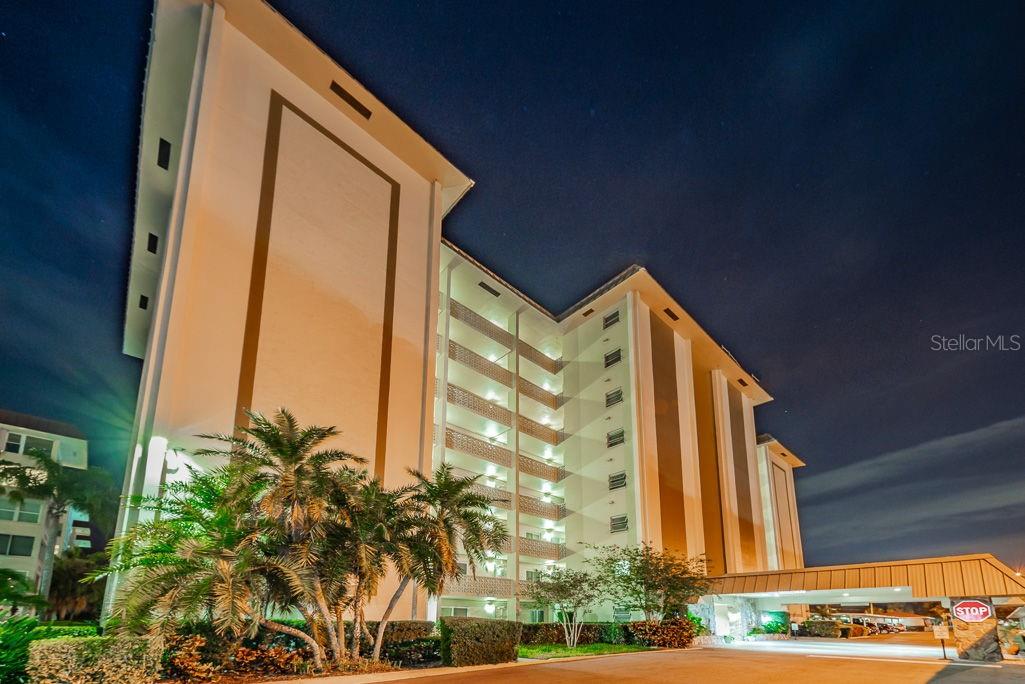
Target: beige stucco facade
288, 252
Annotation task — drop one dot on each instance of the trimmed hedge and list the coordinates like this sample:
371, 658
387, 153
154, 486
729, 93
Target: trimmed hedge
822, 628
478, 641
415, 653
665, 634
590, 633
94, 660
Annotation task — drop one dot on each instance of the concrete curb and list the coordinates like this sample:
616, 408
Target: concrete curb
441, 671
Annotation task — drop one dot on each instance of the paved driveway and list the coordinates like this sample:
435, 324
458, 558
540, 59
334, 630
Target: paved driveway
727, 665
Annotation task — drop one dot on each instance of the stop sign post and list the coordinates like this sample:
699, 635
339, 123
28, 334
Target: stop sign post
971, 610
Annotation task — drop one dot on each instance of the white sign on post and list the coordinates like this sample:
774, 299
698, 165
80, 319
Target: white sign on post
940, 632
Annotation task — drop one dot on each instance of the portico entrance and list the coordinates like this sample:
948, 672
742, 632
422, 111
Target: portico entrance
739, 603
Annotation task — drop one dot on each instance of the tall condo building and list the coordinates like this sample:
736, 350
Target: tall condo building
288, 252
619, 421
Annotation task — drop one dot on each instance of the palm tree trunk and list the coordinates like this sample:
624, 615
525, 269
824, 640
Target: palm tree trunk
357, 612
332, 633
387, 615
46, 550
318, 660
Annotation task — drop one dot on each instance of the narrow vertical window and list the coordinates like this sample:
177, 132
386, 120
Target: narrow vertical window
164, 154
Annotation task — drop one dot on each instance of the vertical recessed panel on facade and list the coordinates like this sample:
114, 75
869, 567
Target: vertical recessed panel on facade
667, 435
324, 323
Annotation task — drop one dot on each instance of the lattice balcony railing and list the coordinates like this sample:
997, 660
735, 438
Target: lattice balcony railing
542, 509
539, 358
475, 361
480, 586
463, 313
546, 471
542, 432
460, 441
479, 405
539, 394
538, 548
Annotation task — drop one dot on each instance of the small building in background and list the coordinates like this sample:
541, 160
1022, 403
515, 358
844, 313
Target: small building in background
23, 525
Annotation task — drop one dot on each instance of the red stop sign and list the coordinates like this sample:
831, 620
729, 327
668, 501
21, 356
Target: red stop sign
972, 611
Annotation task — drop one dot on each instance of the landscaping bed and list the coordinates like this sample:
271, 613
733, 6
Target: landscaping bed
547, 651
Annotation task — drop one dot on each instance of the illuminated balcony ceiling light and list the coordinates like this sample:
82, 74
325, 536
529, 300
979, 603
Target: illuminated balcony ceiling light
490, 470
489, 608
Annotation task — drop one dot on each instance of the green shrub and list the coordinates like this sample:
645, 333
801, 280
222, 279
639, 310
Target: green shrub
665, 634
822, 628
89, 660
590, 633
15, 637
48, 631
478, 641
699, 625
414, 653
398, 631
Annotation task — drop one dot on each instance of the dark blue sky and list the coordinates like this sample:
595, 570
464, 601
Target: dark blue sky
824, 186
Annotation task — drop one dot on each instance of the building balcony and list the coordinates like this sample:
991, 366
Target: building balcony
545, 471
485, 367
480, 585
539, 394
499, 414
479, 405
538, 548
541, 432
488, 451
543, 509
474, 320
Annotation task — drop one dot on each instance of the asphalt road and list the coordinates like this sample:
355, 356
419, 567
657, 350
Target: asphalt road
724, 666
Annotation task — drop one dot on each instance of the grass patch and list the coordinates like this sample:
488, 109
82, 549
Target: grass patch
543, 651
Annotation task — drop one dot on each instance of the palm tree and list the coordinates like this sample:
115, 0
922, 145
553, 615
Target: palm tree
297, 477
459, 516
16, 592
91, 490
204, 556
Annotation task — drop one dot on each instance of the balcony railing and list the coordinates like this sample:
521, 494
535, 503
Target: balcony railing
479, 405
542, 432
539, 358
480, 585
463, 313
538, 548
460, 441
539, 394
499, 497
485, 367
542, 509
545, 471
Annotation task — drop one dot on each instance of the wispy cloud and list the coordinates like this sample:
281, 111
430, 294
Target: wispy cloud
932, 498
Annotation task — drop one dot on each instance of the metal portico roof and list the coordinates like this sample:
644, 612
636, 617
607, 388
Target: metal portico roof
974, 575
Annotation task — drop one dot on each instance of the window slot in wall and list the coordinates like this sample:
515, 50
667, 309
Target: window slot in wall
615, 438
610, 320
613, 397
490, 290
588, 313
672, 314
618, 523
613, 357
617, 481
164, 154
143, 302
350, 99
151, 243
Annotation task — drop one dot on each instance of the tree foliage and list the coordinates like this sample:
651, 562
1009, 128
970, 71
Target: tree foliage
571, 593
644, 578
285, 527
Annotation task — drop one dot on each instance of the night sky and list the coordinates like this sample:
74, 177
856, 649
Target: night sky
824, 187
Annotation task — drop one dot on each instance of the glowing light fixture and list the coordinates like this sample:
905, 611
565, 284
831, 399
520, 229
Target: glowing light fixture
489, 608
490, 470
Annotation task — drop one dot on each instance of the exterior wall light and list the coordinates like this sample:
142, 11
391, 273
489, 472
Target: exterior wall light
489, 608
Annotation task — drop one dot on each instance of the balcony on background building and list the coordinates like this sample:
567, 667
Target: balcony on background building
538, 548
492, 411
481, 585
551, 510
